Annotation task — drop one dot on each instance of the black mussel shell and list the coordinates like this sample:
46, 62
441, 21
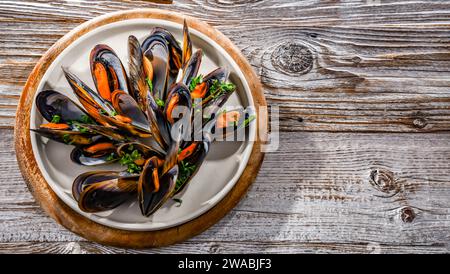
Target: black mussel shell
103, 190
51, 103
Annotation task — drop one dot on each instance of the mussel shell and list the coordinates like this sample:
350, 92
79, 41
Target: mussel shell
182, 94
196, 158
91, 100
108, 132
187, 45
158, 54
211, 108
103, 190
108, 58
66, 136
219, 74
91, 177
159, 126
225, 132
50, 103
127, 127
138, 86
125, 105
149, 200
191, 69
80, 156
172, 44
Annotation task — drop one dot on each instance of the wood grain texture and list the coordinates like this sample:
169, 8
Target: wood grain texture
321, 192
375, 68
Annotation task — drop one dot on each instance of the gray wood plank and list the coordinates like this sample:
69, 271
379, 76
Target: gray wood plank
320, 192
329, 66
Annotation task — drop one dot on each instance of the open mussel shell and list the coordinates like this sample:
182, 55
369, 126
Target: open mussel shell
138, 86
219, 74
51, 103
109, 132
191, 69
107, 71
103, 190
154, 190
99, 153
175, 51
157, 52
126, 106
91, 100
69, 137
187, 45
192, 156
178, 104
231, 122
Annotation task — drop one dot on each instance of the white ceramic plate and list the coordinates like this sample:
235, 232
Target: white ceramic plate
216, 177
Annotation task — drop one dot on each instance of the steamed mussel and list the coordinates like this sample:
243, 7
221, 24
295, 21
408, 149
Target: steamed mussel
141, 119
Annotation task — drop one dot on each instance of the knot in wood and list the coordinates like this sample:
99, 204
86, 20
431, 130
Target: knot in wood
292, 58
215, 248
420, 122
407, 214
383, 180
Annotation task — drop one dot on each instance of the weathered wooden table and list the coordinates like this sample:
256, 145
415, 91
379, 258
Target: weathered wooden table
363, 88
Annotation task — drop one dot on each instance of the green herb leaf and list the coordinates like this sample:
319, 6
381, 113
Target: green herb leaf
114, 113
248, 120
111, 157
160, 102
56, 118
150, 84
128, 160
67, 139
186, 169
86, 119
101, 111
196, 81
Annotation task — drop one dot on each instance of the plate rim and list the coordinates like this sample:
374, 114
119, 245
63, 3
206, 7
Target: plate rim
91, 230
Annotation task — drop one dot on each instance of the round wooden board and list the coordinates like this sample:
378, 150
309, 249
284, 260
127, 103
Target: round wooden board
90, 230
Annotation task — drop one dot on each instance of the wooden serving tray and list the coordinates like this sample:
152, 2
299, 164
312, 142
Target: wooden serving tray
91, 230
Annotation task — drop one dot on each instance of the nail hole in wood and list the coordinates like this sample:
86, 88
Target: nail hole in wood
292, 58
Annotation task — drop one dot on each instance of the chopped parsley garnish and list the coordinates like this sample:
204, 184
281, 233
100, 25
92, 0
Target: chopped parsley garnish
248, 120
83, 129
128, 159
56, 118
160, 102
149, 83
111, 157
186, 170
67, 139
101, 111
178, 201
114, 113
196, 81
79, 127
218, 88
86, 119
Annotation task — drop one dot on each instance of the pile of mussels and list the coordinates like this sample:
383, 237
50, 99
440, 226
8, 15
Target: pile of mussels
132, 120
